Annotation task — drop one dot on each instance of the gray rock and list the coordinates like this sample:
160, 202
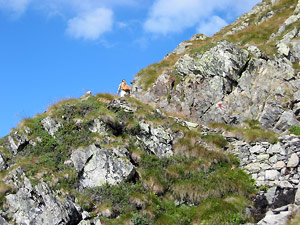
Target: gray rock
253, 167
16, 142
50, 125
284, 184
120, 104
3, 221
3, 164
99, 166
39, 205
156, 139
196, 37
293, 160
257, 149
279, 165
275, 219
275, 149
263, 157
297, 196
270, 195
287, 120
272, 175
98, 127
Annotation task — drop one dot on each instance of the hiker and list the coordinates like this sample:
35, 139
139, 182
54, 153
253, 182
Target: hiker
124, 88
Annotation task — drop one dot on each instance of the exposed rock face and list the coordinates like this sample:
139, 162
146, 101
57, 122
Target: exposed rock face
156, 139
16, 142
50, 125
120, 104
3, 164
98, 166
223, 86
38, 205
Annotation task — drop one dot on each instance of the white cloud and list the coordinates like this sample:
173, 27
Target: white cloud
213, 25
17, 7
168, 16
91, 25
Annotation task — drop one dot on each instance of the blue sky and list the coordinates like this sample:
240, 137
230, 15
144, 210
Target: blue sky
56, 49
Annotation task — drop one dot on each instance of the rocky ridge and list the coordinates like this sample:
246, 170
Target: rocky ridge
214, 80
107, 160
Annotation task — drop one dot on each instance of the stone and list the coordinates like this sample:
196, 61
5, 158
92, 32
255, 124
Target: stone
284, 184
50, 125
253, 167
265, 166
279, 165
272, 175
120, 104
98, 126
201, 37
263, 157
3, 164
156, 140
98, 166
293, 161
16, 142
275, 219
297, 196
273, 159
257, 149
191, 125
287, 120
270, 194
3, 221
275, 149
38, 205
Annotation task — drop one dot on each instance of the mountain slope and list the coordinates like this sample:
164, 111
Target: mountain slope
248, 70
202, 145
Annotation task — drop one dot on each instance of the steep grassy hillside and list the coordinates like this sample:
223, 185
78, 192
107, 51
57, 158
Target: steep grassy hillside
194, 186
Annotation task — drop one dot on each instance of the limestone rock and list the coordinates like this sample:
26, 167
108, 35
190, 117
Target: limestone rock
99, 166
272, 175
3, 164
98, 126
16, 142
287, 120
50, 125
279, 165
293, 160
156, 139
38, 205
120, 104
196, 37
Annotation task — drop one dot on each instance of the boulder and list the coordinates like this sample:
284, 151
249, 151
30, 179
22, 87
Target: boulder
3, 164
16, 142
97, 166
50, 125
38, 205
120, 104
156, 139
293, 161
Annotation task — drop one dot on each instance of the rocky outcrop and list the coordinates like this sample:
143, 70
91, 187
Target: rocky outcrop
16, 142
157, 140
50, 125
222, 85
38, 205
97, 166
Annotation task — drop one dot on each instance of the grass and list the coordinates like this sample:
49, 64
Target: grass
216, 139
150, 74
253, 133
294, 130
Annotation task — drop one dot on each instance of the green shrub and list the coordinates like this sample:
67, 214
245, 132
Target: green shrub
294, 130
216, 139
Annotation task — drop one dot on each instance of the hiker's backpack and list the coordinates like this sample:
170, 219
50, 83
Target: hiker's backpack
126, 88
